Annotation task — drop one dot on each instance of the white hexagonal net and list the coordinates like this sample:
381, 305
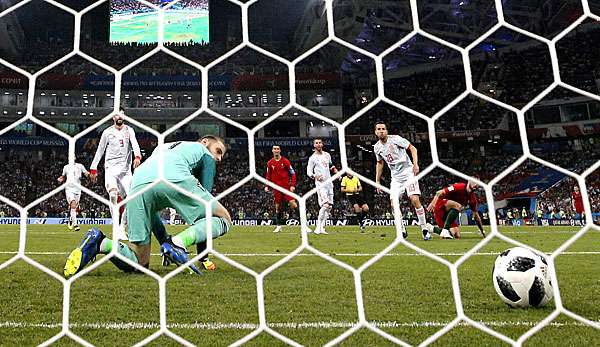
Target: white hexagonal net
362, 322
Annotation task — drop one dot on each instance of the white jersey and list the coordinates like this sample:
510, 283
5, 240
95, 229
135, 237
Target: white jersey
73, 173
394, 153
118, 145
320, 164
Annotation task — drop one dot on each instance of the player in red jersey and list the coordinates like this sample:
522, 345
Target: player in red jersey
280, 172
577, 202
446, 205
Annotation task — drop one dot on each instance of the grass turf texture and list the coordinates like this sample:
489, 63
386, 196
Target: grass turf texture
307, 299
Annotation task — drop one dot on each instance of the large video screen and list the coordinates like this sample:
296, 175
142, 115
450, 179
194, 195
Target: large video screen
133, 22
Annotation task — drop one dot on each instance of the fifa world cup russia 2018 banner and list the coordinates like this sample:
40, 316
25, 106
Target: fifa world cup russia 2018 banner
34, 141
292, 142
160, 82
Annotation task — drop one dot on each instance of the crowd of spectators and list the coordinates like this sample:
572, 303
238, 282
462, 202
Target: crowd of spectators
577, 60
513, 76
429, 91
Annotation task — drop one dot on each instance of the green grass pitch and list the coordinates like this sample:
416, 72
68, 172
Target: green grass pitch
307, 299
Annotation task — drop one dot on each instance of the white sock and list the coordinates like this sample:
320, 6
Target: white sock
172, 219
421, 217
74, 216
177, 241
322, 216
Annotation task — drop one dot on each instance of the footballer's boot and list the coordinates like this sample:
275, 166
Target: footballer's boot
445, 234
427, 230
69, 225
76, 227
85, 253
209, 265
404, 234
175, 254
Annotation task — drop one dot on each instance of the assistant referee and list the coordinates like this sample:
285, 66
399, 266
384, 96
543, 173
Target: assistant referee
352, 187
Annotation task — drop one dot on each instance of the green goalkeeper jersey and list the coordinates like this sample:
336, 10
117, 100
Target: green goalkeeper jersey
181, 161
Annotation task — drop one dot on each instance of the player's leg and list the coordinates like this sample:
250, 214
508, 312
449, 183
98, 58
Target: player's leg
446, 212
193, 212
70, 199
95, 242
325, 204
172, 215
73, 213
414, 193
398, 186
277, 200
220, 223
124, 184
364, 213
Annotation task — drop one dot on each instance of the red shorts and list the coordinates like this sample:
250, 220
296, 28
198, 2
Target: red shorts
579, 208
439, 212
278, 196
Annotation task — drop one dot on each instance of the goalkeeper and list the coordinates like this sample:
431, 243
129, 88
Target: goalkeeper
192, 167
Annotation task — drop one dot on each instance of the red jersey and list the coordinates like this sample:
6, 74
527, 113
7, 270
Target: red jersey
458, 192
577, 201
281, 172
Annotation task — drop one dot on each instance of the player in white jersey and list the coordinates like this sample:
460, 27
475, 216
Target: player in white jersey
393, 150
320, 168
116, 144
72, 174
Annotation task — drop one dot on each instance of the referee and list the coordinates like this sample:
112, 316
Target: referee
351, 186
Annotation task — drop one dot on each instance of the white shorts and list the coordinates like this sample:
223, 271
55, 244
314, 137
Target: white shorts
325, 195
73, 195
410, 185
119, 180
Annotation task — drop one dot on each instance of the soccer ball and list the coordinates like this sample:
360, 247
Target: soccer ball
521, 278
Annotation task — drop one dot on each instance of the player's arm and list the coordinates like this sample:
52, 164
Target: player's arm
310, 168
292, 174
415, 158
84, 171
99, 153
208, 172
62, 177
268, 176
332, 167
136, 148
378, 171
436, 197
358, 185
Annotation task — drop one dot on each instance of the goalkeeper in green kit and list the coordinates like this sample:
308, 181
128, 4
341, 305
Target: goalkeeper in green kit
192, 167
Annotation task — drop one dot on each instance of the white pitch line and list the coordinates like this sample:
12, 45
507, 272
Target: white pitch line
332, 254
279, 325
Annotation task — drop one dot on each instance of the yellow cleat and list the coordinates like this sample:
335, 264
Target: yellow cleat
73, 263
209, 265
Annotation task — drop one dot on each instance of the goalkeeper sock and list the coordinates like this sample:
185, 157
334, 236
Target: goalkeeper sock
450, 218
106, 247
197, 232
437, 230
421, 217
201, 247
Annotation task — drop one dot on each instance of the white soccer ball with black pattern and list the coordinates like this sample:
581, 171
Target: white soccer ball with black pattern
521, 278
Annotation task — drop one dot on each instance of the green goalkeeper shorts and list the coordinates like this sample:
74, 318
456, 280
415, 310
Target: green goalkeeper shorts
143, 212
